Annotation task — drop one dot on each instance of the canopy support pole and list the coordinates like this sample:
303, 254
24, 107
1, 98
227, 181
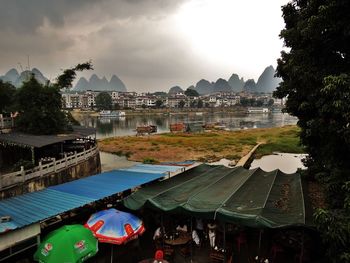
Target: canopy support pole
111, 253
191, 239
302, 248
259, 246
33, 155
224, 242
162, 230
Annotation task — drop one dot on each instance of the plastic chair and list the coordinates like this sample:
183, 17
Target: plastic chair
159, 255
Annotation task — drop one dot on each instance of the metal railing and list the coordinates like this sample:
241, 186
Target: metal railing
21, 176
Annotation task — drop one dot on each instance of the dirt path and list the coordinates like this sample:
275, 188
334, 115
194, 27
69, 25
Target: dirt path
246, 158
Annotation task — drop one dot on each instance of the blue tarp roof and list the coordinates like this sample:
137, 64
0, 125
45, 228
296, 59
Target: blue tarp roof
37, 206
152, 168
107, 184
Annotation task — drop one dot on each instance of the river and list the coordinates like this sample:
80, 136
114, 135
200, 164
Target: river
285, 162
111, 127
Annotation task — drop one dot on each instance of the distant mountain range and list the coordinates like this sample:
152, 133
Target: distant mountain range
267, 83
175, 89
17, 79
100, 84
94, 83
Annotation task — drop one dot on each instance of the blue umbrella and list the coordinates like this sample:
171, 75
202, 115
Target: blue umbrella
114, 226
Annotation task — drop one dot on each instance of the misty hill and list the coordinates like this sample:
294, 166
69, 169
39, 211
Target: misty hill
11, 76
204, 87
267, 81
236, 83
175, 89
250, 86
222, 85
100, 84
17, 79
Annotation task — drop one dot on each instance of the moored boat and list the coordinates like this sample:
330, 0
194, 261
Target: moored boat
108, 113
258, 110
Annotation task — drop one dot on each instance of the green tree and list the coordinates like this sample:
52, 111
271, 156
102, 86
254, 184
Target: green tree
40, 106
270, 102
103, 101
191, 93
159, 104
65, 80
117, 106
200, 104
315, 73
244, 102
259, 103
7, 96
182, 104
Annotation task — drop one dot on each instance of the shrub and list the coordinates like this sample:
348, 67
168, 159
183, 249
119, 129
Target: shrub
149, 160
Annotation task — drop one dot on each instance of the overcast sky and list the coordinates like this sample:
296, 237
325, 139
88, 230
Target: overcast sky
149, 44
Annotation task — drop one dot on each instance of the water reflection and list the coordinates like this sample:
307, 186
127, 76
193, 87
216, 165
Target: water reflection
286, 162
109, 127
111, 162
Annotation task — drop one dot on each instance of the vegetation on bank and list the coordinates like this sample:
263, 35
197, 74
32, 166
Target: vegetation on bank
315, 69
206, 146
39, 106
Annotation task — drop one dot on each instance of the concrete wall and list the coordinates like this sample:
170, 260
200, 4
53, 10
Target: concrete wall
90, 166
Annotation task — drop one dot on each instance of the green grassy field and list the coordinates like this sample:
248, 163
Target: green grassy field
206, 146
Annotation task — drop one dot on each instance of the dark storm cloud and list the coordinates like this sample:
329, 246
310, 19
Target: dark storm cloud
27, 15
124, 37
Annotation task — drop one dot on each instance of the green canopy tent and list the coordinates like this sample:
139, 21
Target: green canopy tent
252, 198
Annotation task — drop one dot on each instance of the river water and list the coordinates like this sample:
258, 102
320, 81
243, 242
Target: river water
286, 162
110, 127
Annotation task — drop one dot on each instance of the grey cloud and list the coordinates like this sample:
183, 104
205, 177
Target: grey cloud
143, 53
25, 16
123, 37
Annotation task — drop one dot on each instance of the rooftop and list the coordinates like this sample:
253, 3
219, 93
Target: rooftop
29, 140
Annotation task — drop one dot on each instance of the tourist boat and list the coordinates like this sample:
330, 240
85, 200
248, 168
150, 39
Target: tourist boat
258, 110
177, 127
108, 113
146, 129
215, 126
276, 110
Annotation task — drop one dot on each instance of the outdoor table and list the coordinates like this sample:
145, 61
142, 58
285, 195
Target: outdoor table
217, 255
182, 239
152, 260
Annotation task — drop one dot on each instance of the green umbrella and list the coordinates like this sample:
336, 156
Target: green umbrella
68, 244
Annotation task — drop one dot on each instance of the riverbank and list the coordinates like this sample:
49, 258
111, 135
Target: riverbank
77, 113
206, 146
